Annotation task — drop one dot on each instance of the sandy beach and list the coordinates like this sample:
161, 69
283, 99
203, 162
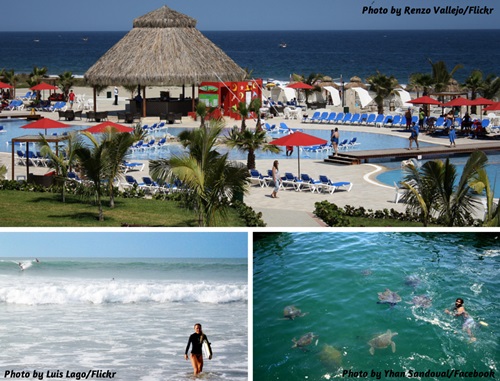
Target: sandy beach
292, 208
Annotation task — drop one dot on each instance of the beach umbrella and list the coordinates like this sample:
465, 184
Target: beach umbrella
300, 86
45, 124
4, 85
298, 139
482, 102
44, 86
425, 100
493, 107
108, 126
458, 102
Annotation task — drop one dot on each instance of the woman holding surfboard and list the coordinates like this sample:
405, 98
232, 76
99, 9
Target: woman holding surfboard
200, 346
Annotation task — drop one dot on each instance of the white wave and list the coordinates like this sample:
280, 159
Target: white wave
122, 292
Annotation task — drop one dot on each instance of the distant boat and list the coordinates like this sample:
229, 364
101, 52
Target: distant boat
36, 40
85, 38
283, 45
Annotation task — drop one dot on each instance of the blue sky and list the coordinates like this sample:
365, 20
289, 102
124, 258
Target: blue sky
118, 15
126, 244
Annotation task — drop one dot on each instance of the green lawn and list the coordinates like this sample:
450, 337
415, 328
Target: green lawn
33, 209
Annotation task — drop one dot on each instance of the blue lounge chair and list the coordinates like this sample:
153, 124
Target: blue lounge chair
151, 185
387, 120
343, 144
308, 182
258, 178
289, 180
331, 186
2, 129
270, 128
347, 118
379, 120
323, 117
315, 117
131, 182
331, 117
339, 117
353, 142
363, 118
74, 177
128, 166
371, 119
396, 120
21, 158
355, 118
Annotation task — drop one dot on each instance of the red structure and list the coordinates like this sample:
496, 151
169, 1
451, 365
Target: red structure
226, 95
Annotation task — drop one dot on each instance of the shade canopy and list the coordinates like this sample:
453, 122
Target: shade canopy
44, 86
298, 139
482, 102
300, 86
163, 48
4, 85
45, 124
425, 100
108, 126
494, 107
457, 102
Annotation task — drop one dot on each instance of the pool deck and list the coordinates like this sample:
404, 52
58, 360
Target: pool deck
294, 209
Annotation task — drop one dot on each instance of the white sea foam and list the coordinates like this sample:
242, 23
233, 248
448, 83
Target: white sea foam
122, 292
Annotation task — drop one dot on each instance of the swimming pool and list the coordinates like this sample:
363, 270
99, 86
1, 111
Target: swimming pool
395, 173
366, 140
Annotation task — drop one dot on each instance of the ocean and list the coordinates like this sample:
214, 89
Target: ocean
332, 53
64, 317
334, 278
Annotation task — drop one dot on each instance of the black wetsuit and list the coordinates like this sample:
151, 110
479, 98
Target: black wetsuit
195, 340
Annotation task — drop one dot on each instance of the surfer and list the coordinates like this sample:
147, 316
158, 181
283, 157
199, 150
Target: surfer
459, 310
198, 339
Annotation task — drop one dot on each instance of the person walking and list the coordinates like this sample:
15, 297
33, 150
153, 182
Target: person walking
196, 341
71, 98
414, 135
116, 96
334, 139
276, 179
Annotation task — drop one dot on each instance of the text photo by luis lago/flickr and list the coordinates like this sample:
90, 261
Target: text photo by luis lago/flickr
124, 306
376, 305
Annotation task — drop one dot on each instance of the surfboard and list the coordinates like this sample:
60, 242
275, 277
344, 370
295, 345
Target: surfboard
207, 352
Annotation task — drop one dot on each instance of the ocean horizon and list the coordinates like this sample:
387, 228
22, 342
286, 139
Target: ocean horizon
336, 53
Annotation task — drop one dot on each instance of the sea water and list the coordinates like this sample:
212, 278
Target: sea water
334, 53
130, 316
335, 279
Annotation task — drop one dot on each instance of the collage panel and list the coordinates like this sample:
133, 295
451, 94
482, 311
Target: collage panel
375, 305
124, 306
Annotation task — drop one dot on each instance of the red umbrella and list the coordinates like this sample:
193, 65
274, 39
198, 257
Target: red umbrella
298, 139
300, 86
46, 123
4, 85
44, 86
494, 107
482, 102
459, 101
108, 126
425, 100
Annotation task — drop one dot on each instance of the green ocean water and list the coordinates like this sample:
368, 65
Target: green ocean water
335, 278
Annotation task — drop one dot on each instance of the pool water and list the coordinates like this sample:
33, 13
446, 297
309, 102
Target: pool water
396, 174
335, 279
366, 140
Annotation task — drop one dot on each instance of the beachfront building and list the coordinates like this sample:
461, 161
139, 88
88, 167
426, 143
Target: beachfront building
164, 48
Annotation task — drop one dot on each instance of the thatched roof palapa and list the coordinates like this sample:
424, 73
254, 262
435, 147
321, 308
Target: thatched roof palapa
163, 48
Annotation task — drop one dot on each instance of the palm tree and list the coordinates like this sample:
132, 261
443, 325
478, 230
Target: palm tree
93, 164
255, 106
420, 82
474, 83
314, 79
211, 179
250, 141
63, 160
3, 172
243, 110
491, 87
66, 82
434, 189
441, 76
11, 78
201, 111
383, 86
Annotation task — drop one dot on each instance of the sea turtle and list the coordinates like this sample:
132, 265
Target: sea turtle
291, 312
389, 297
383, 341
422, 301
305, 340
331, 357
412, 281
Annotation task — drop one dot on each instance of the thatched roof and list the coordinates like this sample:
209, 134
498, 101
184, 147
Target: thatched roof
355, 82
163, 48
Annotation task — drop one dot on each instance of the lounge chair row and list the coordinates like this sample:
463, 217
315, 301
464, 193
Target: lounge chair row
377, 120
281, 129
34, 159
305, 182
151, 186
142, 145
